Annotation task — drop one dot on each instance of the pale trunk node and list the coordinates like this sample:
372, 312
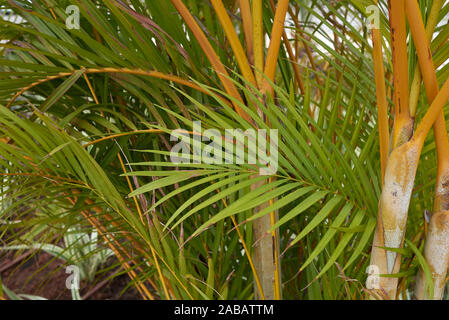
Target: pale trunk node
392, 217
436, 252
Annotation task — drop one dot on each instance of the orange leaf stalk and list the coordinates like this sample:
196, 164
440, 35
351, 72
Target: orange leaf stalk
382, 111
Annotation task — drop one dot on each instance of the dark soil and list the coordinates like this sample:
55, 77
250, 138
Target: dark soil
43, 275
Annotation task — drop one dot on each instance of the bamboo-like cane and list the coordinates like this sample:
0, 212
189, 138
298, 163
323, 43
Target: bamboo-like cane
401, 165
437, 242
395, 198
382, 107
266, 248
436, 252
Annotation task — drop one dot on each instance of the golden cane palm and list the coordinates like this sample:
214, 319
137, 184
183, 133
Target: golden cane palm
87, 115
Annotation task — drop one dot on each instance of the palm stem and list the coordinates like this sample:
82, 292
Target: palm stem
247, 20
417, 77
291, 55
437, 242
236, 46
258, 40
275, 44
211, 55
382, 111
403, 123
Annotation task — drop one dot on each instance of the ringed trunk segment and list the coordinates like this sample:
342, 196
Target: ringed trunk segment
393, 210
265, 252
266, 246
393, 205
436, 253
